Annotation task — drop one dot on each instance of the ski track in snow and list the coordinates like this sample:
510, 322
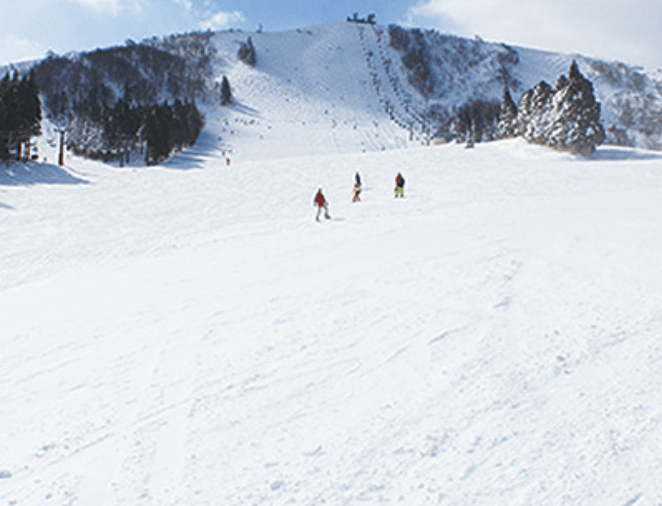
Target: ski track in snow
188, 335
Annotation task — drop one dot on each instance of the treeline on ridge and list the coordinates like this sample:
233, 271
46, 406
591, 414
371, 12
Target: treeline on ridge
155, 130
112, 101
565, 117
437, 63
20, 115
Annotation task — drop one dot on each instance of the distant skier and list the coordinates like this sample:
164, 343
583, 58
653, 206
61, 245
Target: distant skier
357, 188
399, 186
321, 203
357, 193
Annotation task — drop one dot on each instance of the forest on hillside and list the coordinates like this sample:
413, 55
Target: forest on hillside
144, 96
135, 97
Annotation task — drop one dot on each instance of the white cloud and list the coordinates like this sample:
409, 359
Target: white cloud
111, 7
608, 29
15, 49
222, 20
188, 4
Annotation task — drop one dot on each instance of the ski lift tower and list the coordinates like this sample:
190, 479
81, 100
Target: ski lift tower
61, 131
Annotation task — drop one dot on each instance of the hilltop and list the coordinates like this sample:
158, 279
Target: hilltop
335, 88
360, 87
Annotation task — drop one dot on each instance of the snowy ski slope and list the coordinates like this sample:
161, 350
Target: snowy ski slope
311, 93
341, 88
188, 335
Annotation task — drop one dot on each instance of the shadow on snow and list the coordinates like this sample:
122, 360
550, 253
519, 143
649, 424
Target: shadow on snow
19, 174
246, 110
196, 156
207, 146
618, 154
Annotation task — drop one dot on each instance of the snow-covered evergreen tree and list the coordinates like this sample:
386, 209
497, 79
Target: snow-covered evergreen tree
247, 53
576, 122
534, 113
507, 126
566, 117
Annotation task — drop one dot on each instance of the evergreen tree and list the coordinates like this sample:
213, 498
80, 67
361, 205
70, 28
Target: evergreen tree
507, 126
168, 128
157, 134
576, 125
4, 133
566, 117
226, 92
5, 113
533, 113
476, 121
11, 106
561, 83
29, 109
194, 123
120, 126
20, 112
485, 117
247, 53
461, 124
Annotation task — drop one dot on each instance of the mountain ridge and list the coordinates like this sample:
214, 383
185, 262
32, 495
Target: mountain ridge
352, 87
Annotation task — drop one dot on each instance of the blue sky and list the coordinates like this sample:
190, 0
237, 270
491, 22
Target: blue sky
609, 29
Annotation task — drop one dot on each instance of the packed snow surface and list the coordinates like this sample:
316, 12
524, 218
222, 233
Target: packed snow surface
189, 335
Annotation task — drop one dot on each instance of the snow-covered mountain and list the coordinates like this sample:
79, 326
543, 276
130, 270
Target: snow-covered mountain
342, 87
354, 87
188, 335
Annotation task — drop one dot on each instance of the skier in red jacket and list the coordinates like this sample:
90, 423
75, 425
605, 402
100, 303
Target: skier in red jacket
357, 188
321, 203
